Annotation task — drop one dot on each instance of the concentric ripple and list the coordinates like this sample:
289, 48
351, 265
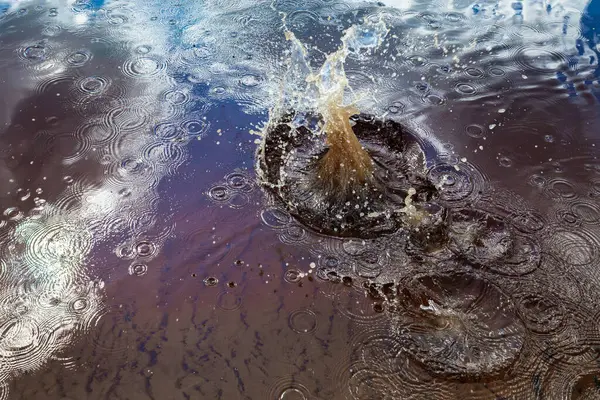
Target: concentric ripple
574, 247
539, 60
146, 67
459, 325
458, 182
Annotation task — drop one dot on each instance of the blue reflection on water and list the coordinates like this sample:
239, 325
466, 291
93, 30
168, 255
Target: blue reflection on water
590, 30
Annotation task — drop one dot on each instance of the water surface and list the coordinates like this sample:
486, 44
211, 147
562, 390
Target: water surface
139, 259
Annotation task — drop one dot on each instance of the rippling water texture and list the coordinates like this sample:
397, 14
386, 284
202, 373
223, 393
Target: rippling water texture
140, 258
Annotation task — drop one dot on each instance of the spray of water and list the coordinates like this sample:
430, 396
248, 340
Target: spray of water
323, 92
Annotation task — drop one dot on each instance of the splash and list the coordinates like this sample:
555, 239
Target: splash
345, 163
339, 170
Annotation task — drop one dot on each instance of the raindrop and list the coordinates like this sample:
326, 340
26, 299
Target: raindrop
219, 193
475, 72
94, 84
79, 58
303, 321
138, 269
292, 276
36, 52
275, 218
210, 281
228, 301
465, 88
475, 131
496, 71
176, 97
195, 128
505, 162
238, 200
143, 67
145, 249
239, 182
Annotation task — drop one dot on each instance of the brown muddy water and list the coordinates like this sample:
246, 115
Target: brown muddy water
141, 257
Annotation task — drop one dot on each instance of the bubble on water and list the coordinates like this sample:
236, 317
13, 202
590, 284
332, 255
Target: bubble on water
436, 99
79, 305
218, 90
117, 19
567, 217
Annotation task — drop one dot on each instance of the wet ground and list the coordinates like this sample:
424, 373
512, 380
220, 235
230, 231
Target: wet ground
140, 259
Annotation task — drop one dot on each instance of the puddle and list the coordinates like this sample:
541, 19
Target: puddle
143, 256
